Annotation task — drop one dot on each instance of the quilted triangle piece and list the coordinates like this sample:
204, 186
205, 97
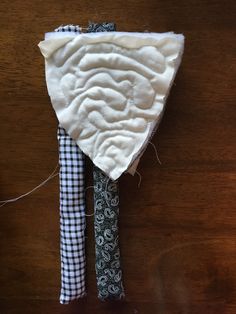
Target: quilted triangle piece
109, 90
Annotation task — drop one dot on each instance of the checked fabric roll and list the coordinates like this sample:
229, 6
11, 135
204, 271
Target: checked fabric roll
72, 212
72, 219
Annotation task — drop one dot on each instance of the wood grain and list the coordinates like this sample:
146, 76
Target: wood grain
178, 231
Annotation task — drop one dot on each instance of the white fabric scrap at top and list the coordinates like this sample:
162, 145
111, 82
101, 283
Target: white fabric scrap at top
109, 90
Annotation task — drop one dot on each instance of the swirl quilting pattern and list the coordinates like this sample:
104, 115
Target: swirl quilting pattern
108, 268
109, 279
109, 91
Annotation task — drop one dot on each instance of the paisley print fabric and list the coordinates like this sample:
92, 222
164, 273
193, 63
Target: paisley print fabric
106, 209
101, 27
108, 268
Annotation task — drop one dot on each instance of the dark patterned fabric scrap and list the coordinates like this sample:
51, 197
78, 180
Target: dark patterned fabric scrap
108, 268
101, 27
106, 212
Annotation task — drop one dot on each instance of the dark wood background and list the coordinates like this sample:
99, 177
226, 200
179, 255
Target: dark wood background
178, 230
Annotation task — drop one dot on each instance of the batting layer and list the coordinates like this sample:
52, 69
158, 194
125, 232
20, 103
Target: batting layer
109, 90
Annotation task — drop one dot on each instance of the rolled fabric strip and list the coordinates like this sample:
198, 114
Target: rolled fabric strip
72, 212
106, 213
72, 219
106, 208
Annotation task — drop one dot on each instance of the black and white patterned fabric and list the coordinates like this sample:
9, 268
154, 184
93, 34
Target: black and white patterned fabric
106, 214
101, 27
68, 28
72, 218
72, 212
108, 264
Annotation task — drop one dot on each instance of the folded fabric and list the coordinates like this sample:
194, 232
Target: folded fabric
112, 287
72, 212
106, 214
109, 90
108, 265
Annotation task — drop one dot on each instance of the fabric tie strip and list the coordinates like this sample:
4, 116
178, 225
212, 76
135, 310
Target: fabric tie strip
109, 90
108, 265
72, 213
106, 212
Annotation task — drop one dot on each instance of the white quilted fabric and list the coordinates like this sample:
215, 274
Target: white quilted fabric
109, 90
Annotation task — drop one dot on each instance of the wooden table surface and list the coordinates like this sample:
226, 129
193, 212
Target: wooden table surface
178, 230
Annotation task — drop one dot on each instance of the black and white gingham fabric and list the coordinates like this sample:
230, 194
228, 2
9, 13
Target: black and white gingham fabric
72, 211
72, 218
68, 28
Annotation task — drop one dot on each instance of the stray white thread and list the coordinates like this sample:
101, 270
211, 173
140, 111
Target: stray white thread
106, 188
83, 28
90, 215
140, 178
89, 187
158, 159
52, 175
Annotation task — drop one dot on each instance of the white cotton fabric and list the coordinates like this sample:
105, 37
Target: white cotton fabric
109, 90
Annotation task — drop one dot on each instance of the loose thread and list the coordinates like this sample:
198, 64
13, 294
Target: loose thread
140, 178
106, 188
105, 195
89, 187
51, 176
90, 215
158, 159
